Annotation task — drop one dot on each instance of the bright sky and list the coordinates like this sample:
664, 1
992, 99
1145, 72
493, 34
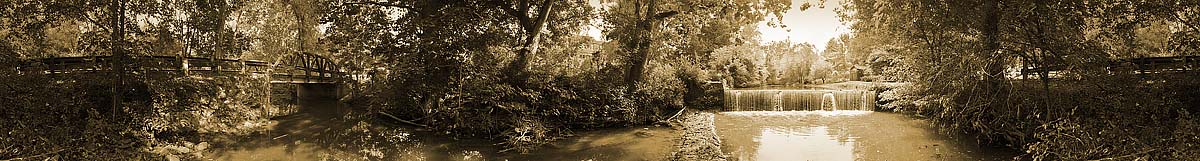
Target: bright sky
593, 29
815, 25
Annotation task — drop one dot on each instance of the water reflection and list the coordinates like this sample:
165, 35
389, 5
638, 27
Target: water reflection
841, 135
796, 113
789, 143
633, 143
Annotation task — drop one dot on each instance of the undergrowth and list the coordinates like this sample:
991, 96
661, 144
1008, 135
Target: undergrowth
479, 102
1118, 117
71, 117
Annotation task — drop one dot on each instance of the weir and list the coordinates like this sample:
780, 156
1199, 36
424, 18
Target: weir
798, 100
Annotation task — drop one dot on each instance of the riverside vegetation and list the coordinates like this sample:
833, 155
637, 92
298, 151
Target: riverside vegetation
519, 73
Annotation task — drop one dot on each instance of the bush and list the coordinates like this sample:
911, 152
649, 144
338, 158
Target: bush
475, 99
217, 104
699, 94
1118, 117
71, 116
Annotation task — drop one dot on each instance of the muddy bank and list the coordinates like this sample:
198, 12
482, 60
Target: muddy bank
698, 140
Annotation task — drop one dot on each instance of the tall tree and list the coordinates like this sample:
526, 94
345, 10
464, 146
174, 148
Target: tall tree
697, 28
532, 26
532, 20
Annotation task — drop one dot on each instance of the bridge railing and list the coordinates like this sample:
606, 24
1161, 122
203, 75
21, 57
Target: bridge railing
1148, 65
309, 69
154, 63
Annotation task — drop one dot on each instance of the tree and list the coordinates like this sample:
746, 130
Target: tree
959, 56
638, 26
532, 19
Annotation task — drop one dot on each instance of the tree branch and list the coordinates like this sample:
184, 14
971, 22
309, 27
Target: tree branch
663, 15
409, 8
522, 17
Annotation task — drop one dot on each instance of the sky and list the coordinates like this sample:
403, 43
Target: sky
814, 26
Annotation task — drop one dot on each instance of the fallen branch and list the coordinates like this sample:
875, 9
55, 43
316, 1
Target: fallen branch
402, 120
39, 155
506, 150
676, 115
1124, 156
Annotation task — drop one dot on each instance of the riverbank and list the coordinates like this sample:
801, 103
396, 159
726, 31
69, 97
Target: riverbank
1066, 119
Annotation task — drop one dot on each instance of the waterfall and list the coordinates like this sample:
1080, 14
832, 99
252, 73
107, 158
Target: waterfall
832, 102
798, 100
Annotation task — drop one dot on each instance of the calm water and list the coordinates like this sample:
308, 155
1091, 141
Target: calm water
842, 135
748, 135
634, 143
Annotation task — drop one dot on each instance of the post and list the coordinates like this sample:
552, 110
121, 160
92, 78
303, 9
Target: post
184, 64
243, 62
307, 68
214, 65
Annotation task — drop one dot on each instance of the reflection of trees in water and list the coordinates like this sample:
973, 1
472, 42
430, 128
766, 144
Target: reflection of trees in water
868, 136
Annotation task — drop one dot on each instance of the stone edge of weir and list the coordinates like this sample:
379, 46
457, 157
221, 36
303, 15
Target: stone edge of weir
699, 139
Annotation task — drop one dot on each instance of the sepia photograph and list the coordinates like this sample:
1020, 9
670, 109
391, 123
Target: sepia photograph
600, 80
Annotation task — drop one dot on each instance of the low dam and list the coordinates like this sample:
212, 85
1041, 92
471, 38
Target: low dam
798, 100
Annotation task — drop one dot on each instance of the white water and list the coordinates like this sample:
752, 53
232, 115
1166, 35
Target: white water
798, 100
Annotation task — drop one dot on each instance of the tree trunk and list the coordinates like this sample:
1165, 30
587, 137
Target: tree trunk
1044, 56
302, 28
117, 39
640, 58
995, 68
533, 32
1045, 78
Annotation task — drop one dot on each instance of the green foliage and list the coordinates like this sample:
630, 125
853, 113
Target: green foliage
752, 65
450, 76
699, 93
684, 31
220, 104
960, 57
155, 112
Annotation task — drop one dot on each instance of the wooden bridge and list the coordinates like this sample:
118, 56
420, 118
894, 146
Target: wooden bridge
301, 68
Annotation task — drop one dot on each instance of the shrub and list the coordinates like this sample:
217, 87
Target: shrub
156, 110
699, 94
1117, 117
475, 99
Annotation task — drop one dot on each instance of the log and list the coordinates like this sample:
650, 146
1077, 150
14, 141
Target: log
402, 120
39, 155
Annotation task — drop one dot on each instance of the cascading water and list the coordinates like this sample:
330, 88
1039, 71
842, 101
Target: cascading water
798, 100
832, 103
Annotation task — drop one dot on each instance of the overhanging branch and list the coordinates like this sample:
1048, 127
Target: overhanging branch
522, 16
663, 15
409, 8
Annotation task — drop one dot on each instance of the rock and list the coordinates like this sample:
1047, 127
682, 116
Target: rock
643, 133
201, 146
